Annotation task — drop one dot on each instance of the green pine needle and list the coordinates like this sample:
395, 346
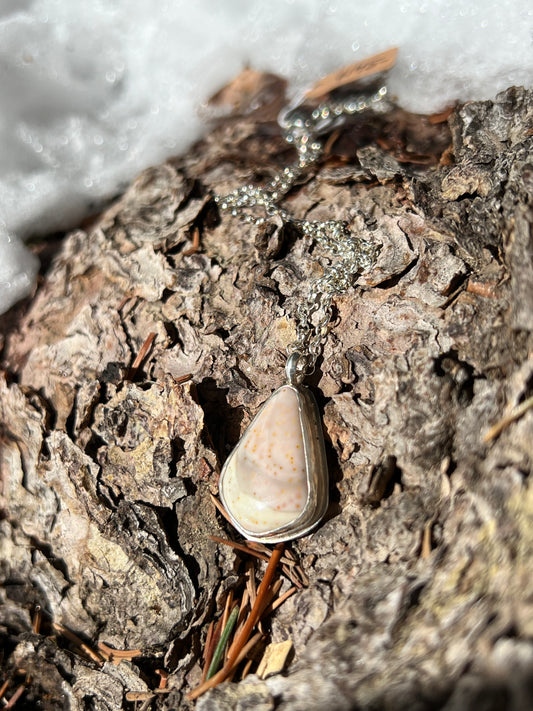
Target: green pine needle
219, 651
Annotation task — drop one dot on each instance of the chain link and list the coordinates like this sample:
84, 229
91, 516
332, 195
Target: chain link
355, 254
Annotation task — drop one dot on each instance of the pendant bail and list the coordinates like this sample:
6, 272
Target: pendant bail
296, 368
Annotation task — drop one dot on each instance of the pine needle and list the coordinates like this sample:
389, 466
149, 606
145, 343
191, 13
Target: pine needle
140, 356
3, 688
239, 547
221, 646
289, 565
195, 243
209, 650
16, 696
37, 619
240, 645
517, 412
279, 601
227, 608
72, 637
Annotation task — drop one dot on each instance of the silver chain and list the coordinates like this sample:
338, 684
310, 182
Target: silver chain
355, 254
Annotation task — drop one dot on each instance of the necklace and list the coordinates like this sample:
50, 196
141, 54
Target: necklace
274, 484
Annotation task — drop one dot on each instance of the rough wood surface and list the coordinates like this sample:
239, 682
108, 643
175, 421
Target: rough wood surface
421, 576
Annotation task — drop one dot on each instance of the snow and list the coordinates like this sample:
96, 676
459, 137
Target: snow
92, 93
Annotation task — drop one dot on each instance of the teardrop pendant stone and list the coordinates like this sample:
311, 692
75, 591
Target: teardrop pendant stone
274, 483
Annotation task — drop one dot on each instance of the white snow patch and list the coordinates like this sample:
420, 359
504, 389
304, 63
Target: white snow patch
93, 92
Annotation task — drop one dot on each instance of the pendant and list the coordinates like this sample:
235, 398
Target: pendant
274, 484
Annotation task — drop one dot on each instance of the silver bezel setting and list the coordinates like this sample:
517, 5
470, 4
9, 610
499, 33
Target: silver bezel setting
316, 474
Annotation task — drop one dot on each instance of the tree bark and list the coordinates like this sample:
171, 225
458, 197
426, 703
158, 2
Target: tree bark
421, 585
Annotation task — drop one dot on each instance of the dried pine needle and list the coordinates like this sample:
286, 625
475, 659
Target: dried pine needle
517, 412
208, 650
217, 630
271, 594
245, 602
221, 510
117, 655
195, 243
279, 601
141, 355
250, 582
246, 669
183, 378
139, 695
227, 608
16, 696
72, 637
289, 565
239, 547
242, 642
226, 670
163, 678
425, 550
37, 619
3, 688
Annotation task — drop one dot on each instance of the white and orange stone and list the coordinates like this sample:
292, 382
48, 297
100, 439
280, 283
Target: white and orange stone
264, 485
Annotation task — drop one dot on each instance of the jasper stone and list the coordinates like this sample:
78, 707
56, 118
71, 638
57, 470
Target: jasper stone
267, 483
